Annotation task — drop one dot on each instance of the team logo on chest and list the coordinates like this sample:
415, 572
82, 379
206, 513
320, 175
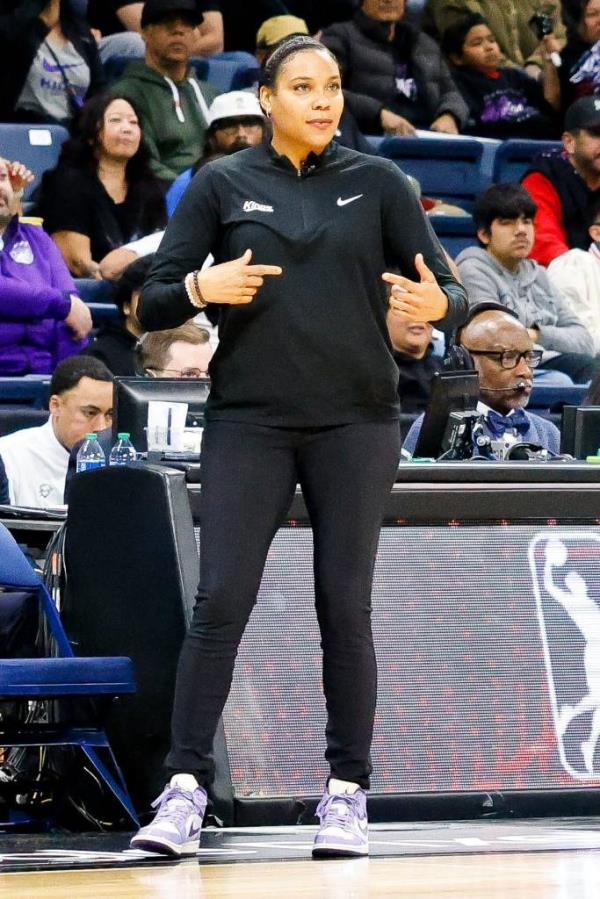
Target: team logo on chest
251, 206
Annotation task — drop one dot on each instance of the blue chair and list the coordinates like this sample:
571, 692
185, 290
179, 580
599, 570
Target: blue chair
554, 398
95, 290
513, 157
456, 232
60, 677
36, 146
30, 390
229, 71
456, 170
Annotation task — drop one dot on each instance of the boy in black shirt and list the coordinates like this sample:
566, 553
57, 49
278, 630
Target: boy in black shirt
503, 102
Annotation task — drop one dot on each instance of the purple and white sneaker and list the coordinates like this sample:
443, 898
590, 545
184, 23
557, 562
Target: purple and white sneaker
344, 829
176, 827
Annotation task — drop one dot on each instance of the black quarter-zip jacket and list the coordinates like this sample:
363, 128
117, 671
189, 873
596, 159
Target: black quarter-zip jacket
312, 348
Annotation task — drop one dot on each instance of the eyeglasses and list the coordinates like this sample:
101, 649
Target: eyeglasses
183, 373
510, 358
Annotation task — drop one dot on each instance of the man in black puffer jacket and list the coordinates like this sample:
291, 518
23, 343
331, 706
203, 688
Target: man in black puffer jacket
395, 78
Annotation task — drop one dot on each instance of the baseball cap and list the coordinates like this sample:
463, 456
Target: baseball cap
583, 113
156, 10
277, 28
234, 104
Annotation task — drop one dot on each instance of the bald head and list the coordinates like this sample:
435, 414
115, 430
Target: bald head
496, 332
491, 328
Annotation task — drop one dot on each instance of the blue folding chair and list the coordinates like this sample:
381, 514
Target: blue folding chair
513, 157
36, 146
60, 677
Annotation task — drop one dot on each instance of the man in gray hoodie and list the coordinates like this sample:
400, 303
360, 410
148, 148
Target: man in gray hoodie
500, 270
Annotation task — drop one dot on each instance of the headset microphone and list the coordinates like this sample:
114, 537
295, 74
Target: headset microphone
520, 386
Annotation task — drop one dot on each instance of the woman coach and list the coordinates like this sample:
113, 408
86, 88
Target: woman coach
303, 391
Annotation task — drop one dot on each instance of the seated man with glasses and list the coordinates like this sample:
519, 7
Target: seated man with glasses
502, 352
500, 270
183, 352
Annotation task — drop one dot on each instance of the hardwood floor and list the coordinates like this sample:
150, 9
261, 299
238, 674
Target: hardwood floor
528, 875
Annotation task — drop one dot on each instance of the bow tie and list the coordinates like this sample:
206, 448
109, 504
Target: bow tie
497, 424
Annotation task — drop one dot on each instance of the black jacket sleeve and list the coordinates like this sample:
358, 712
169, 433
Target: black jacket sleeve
191, 235
407, 231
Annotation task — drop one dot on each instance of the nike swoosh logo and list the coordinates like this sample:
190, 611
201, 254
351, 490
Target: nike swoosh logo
341, 202
48, 67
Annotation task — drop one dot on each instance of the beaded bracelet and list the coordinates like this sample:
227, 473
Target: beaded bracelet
192, 288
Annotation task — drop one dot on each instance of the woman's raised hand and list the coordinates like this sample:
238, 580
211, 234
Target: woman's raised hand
420, 301
234, 282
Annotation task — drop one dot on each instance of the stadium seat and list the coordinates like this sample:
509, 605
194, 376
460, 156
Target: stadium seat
94, 290
513, 157
451, 169
554, 398
228, 71
16, 418
29, 390
36, 146
455, 232
57, 675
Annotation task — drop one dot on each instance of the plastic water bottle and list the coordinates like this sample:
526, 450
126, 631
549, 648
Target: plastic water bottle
91, 454
123, 451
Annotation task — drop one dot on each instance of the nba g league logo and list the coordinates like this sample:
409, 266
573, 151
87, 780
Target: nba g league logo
565, 567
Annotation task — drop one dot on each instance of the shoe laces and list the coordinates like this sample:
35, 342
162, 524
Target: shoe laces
337, 808
175, 803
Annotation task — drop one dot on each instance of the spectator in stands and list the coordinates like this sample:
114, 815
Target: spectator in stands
36, 459
503, 102
50, 62
510, 22
395, 77
183, 352
235, 122
119, 22
42, 320
417, 364
564, 184
102, 193
501, 271
576, 274
115, 342
580, 71
504, 356
173, 104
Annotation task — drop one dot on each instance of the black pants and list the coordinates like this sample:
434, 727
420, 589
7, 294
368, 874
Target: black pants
249, 474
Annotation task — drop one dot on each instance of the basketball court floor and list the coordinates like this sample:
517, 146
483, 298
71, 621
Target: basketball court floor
527, 859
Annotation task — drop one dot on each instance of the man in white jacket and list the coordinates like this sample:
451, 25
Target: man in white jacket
577, 275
